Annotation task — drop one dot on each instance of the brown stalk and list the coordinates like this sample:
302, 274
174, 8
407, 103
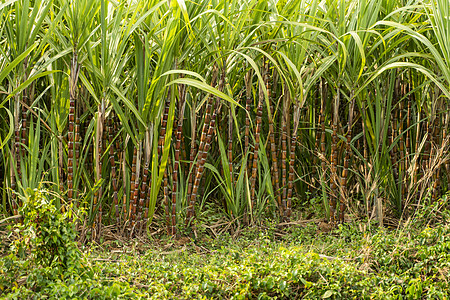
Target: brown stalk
16, 158
201, 152
162, 135
166, 201
437, 143
202, 161
334, 158
286, 205
113, 170
13, 166
77, 149
445, 135
24, 122
292, 162
365, 156
408, 125
426, 160
230, 143
393, 130
149, 179
198, 170
401, 145
323, 98
192, 171
275, 175
74, 71
178, 134
248, 103
24, 114
319, 121
142, 206
255, 151
344, 195
144, 187
133, 204
125, 208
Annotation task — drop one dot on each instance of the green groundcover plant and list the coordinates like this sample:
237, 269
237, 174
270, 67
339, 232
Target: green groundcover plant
355, 261
44, 260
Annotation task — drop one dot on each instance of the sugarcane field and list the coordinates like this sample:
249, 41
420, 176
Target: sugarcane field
224, 149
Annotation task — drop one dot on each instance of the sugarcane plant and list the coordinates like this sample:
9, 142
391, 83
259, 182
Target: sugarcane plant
145, 115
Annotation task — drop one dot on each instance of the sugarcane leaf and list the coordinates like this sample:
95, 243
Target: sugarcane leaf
204, 87
7, 70
10, 130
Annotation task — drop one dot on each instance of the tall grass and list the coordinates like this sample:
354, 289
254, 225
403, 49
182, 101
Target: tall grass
135, 108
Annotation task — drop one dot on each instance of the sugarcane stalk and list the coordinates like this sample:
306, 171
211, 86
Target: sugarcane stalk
319, 121
230, 143
202, 161
283, 162
192, 171
24, 122
77, 151
176, 163
16, 158
196, 180
125, 210
401, 146
149, 185
141, 206
426, 161
365, 156
275, 175
393, 130
166, 201
175, 177
445, 139
323, 97
248, 103
416, 166
334, 157
133, 204
12, 167
162, 135
344, 183
24, 114
291, 163
113, 170
435, 192
408, 126
255, 152
205, 140
437, 144
74, 71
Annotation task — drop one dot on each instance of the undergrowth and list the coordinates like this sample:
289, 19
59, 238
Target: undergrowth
354, 261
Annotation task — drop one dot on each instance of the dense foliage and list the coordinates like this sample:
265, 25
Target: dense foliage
355, 261
119, 118
245, 106
248, 106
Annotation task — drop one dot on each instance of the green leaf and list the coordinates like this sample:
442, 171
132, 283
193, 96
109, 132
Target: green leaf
328, 294
204, 87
